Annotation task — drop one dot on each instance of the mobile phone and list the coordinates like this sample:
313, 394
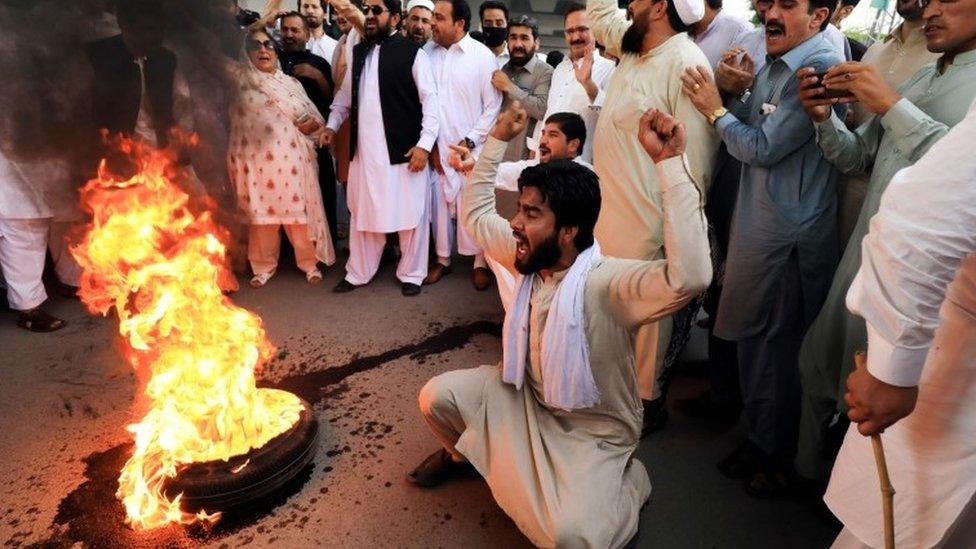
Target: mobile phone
829, 93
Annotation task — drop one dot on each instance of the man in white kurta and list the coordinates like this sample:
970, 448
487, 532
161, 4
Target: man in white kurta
631, 225
917, 291
566, 476
25, 219
384, 197
580, 80
469, 104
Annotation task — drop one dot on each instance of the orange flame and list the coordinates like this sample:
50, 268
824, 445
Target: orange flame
163, 266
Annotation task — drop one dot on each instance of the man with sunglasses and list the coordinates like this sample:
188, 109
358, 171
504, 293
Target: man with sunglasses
390, 97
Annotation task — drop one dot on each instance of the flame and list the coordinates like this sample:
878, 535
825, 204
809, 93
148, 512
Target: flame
163, 266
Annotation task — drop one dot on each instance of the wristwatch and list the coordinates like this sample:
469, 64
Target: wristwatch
716, 114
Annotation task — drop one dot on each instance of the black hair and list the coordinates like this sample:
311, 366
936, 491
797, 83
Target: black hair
554, 58
852, 3
525, 21
817, 4
573, 8
460, 11
571, 191
572, 125
674, 19
714, 4
299, 4
295, 14
491, 5
395, 7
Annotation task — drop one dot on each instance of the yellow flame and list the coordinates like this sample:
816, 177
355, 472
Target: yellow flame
162, 265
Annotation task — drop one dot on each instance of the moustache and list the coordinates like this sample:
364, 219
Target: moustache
520, 51
775, 25
578, 42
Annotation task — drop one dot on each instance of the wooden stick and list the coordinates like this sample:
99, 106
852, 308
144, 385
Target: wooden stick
887, 492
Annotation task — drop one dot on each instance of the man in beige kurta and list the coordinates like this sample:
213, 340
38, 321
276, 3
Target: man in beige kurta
897, 56
631, 224
568, 478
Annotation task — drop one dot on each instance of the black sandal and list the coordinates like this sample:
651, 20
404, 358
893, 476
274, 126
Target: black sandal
37, 320
437, 468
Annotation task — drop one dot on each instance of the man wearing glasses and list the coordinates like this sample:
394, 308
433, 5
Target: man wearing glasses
580, 80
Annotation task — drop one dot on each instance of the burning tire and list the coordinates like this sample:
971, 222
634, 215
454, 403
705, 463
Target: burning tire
218, 485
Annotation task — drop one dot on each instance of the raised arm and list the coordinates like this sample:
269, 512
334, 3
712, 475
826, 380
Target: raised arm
609, 24
645, 291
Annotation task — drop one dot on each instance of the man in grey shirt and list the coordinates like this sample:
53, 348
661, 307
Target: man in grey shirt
783, 246
523, 78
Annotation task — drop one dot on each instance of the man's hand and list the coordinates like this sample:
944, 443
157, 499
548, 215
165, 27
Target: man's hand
661, 135
435, 160
698, 85
583, 69
501, 81
460, 159
865, 82
510, 122
308, 125
418, 159
735, 72
873, 404
326, 138
812, 95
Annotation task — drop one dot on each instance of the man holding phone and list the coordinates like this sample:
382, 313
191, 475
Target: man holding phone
904, 125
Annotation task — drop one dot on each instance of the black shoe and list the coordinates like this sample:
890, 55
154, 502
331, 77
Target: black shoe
744, 462
409, 289
437, 468
344, 286
37, 320
655, 416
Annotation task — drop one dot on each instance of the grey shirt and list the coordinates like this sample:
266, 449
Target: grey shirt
787, 199
532, 82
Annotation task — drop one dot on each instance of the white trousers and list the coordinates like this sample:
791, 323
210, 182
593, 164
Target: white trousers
445, 229
961, 535
67, 269
264, 246
366, 249
23, 247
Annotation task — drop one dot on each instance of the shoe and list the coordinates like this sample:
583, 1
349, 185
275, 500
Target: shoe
437, 272
313, 277
344, 286
261, 279
655, 416
438, 468
409, 289
744, 462
481, 278
773, 482
37, 320
65, 290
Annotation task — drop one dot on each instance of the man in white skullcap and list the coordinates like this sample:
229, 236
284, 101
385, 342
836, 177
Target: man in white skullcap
416, 23
654, 50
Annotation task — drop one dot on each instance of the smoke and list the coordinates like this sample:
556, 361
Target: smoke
47, 82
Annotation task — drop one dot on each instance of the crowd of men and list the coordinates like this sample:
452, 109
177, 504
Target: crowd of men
677, 165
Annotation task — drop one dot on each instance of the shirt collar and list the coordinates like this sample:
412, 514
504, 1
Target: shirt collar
794, 58
961, 60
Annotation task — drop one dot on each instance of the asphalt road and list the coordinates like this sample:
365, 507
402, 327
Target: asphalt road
361, 359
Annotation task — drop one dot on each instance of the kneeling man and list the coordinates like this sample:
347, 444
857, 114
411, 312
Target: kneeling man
553, 430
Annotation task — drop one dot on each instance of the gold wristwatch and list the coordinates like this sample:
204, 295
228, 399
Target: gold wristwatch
716, 114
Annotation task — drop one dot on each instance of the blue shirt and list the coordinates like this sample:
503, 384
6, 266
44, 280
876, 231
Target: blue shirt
787, 199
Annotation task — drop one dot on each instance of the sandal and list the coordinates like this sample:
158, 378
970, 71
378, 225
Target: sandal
261, 279
313, 277
37, 320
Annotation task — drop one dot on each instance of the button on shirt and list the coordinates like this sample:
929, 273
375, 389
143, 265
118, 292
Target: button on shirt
532, 82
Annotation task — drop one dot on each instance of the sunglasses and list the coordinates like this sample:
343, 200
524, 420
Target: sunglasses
255, 45
377, 10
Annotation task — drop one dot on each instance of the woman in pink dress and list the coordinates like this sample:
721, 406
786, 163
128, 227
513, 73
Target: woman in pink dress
272, 162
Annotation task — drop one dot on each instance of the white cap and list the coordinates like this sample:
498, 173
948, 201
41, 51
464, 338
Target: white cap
421, 4
690, 11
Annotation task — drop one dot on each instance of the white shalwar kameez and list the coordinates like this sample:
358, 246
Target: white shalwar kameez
384, 197
469, 105
25, 220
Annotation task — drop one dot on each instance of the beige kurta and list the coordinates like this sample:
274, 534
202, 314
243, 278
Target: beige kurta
631, 223
570, 478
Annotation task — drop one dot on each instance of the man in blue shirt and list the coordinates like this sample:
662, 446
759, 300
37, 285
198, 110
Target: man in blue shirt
783, 245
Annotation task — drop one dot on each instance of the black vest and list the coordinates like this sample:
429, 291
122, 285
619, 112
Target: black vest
117, 90
399, 98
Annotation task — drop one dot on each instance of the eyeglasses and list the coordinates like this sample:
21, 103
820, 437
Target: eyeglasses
377, 10
578, 30
255, 45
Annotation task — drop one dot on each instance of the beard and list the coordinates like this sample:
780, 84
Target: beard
543, 256
522, 59
633, 39
377, 34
